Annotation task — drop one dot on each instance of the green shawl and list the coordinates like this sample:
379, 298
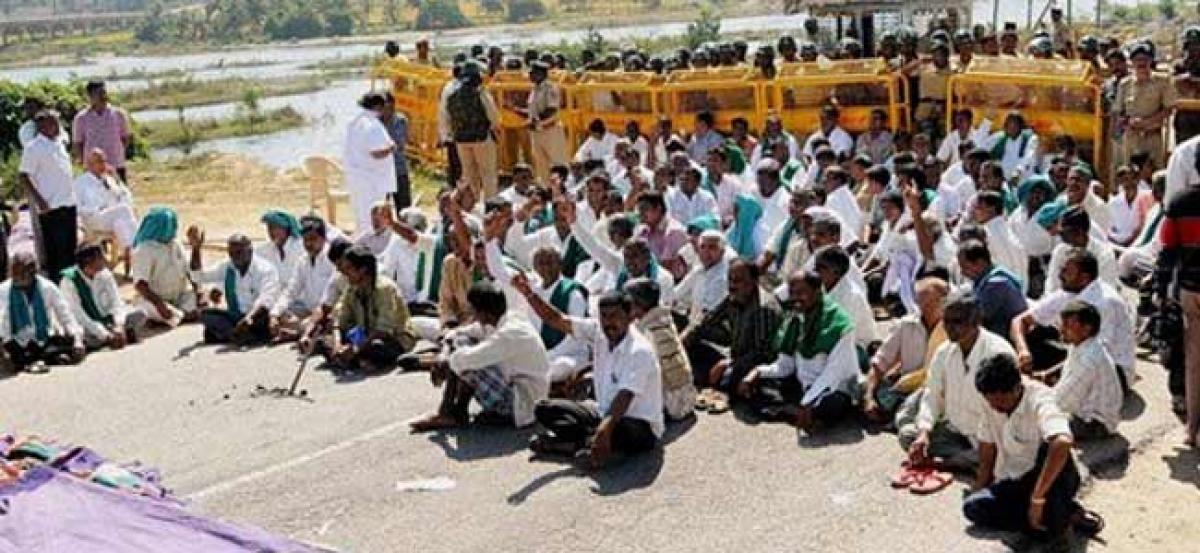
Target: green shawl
86, 298
561, 300
820, 337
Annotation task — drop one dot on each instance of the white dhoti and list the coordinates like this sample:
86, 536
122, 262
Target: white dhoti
118, 220
177, 306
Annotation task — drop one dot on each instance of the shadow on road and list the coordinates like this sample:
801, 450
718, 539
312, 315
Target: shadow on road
1184, 466
1133, 407
846, 433
1106, 458
1016, 541
481, 442
622, 475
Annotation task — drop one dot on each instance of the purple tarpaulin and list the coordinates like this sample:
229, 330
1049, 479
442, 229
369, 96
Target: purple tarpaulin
51, 511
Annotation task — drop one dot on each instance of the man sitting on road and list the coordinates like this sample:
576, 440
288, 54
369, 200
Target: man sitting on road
302, 295
283, 248
160, 272
249, 285
941, 421
1075, 232
627, 417
371, 326
91, 291
36, 324
831, 264
901, 364
816, 347
499, 360
996, 288
1088, 386
1027, 480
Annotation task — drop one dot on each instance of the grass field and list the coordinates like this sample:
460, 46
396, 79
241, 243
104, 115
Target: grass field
176, 133
194, 92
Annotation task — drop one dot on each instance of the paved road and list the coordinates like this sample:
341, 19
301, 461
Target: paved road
326, 470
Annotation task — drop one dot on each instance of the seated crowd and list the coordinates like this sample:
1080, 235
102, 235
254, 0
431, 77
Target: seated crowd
631, 288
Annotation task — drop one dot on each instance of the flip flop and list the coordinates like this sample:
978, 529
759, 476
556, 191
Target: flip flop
719, 403
906, 477
930, 481
704, 399
1090, 523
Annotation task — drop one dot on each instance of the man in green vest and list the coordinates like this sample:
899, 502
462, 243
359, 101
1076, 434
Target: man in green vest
567, 355
91, 291
810, 382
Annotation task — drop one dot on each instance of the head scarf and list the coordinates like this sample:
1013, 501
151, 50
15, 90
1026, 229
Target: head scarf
741, 234
283, 220
1050, 212
737, 157
702, 223
160, 224
1032, 183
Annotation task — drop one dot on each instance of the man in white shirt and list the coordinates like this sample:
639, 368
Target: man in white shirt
367, 159
36, 324
379, 238
838, 138
1079, 280
284, 248
943, 419
159, 271
499, 360
840, 200
773, 198
1005, 247
723, 185
1027, 480
1079, 193
832, 263
1138, 259
816, 365
599, 144
1088, 386
963, 132
627, 416
46, 174
1074, 232
568, 356
105, 204
787, 248
773, 134
91, 291
29, 129
707, 283
1182, 169
304, 293
1125, 208
1015, 147
250, 287
687, 201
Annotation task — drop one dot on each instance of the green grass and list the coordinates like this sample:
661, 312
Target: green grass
174, 133
192, 92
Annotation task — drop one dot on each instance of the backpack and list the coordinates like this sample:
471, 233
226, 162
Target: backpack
468, 118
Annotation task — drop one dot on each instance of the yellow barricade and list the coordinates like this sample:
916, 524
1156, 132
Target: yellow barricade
511, 90
858, 87
1057, 97
616, 99
727, 92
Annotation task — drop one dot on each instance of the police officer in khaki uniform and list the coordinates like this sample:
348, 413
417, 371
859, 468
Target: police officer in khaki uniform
931, 105
1143, 103
964, 46
547, 139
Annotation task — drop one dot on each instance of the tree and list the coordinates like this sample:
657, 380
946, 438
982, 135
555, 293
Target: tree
705, 29
520, 11
1168, 8
440, 14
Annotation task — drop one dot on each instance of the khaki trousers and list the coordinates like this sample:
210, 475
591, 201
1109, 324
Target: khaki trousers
478, 167
1149, 141
549, 147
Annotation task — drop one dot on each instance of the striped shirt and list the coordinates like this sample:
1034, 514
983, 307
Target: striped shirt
1089, 388
747, 329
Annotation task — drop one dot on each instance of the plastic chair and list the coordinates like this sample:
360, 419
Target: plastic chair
322, 174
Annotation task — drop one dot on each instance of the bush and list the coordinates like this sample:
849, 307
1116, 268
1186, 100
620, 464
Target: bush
705, 29
339, 23
520, 11
294, 25
440, 14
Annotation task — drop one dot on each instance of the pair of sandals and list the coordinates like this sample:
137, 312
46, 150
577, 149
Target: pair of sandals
921, 479
713, 401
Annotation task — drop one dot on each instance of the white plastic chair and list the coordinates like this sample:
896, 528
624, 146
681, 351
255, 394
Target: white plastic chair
323, 175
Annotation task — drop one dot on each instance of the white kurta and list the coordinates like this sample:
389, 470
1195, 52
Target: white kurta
368, 179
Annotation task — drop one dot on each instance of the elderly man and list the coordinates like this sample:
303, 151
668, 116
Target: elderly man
567, 355
770, 194
160, 272
941, 421
1015, 147
839, 139
500, 361
36, 324
105, 204
815, 365
706, 284
46, 174
787, 248
91, 291
901, 364
249, 285
743, 324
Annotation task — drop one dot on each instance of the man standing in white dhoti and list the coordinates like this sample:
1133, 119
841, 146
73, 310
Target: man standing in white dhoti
367, 160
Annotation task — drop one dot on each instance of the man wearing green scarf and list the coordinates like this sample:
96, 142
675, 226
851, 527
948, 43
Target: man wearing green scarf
91, 291
816, 364
567, 355
36, 324
160, 272
250, 287
283, 248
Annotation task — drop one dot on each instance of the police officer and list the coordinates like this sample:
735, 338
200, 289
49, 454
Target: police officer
964, 46
547, 139
1143, 103
931, 106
